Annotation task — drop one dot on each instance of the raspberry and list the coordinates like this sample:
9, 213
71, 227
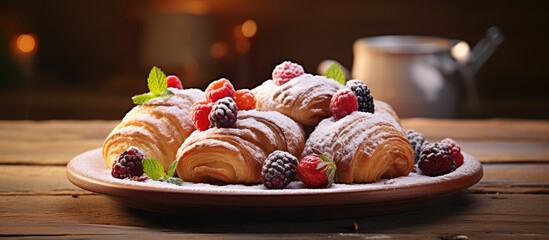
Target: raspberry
343, 103
435, 159
129, 164
365, 99
245, 100
316, 171
223, 113
286, 71
279, 170
219, 89
200, 112
455, 149
174, 82
417, 141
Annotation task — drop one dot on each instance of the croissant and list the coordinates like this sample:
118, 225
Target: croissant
236, 154
305, 99
157, 128
365, 147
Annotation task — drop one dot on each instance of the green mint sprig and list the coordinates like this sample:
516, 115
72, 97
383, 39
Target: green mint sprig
158, 87
335, 71
155, 171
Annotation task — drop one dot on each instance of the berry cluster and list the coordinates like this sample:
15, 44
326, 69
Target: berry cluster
354, 97
129, 164
435, 159
364, 97
281, 168
220, 109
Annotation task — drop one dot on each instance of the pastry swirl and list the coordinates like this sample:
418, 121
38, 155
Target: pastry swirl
236, 154
305, 99
365, 147
157, 128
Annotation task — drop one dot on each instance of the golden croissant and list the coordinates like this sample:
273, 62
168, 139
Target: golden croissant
157, 127
365, 147
306, 98
236, 154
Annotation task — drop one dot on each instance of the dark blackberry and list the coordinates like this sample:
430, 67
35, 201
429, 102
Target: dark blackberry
365, 99
436, 159
417, 141
223, 113
129, 164
279, 170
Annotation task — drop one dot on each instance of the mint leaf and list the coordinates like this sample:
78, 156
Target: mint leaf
171, 169
157, 81
153, 169
166, 93
336, 72
174, 180
142, 98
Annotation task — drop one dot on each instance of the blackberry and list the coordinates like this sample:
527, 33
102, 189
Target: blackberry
129, 164
436, 159
223, 113
279, 170
365, 99
417, 141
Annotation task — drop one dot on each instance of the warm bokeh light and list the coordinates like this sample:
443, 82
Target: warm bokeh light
218, 50
243, 45
249, 28
197, 7
461, 52
26, 43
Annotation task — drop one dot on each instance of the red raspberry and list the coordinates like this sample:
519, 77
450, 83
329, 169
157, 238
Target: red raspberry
435, 159
286, 71
245, 100
343, 103
200, 112
219, 89
455, 149
316, 171
174, 82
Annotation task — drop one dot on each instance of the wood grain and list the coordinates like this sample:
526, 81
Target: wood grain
490, 129
510, 202
49, 142
463, 213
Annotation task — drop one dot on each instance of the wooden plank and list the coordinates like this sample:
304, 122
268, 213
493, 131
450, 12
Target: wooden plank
96, 231
486, 129
506, 151
467, 214
52, 180
514, 178
36, 180
49, 142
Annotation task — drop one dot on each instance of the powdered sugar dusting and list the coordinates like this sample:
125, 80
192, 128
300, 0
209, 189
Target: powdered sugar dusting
90, 165
305, 98
344, 134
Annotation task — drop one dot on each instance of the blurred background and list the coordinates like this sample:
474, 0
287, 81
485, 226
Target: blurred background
63, 59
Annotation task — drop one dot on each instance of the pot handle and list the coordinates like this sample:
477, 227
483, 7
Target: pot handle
484, 49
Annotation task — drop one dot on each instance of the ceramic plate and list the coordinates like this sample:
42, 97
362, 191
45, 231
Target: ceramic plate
88, 171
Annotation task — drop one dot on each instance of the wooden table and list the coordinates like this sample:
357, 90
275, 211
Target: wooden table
510, 202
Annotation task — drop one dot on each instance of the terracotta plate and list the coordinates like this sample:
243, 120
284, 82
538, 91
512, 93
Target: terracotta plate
89, 172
